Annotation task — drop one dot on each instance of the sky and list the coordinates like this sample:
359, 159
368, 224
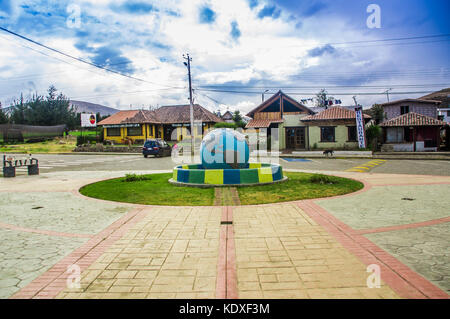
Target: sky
239, 49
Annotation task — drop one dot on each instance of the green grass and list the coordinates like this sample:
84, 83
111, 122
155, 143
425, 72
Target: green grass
154, 189
85, 133
298, 187
42, 147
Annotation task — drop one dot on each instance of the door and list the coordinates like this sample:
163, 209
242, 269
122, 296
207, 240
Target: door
295, 138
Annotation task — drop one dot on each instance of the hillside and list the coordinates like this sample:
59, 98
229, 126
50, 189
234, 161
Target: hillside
88, 107
442, 95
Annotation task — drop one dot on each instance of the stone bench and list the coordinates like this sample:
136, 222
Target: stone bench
10, 164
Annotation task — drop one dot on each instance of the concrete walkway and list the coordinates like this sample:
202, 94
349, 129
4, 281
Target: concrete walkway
305, 249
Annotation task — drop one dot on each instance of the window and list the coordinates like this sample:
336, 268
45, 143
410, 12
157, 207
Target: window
113, 131
327, 134
134, 131
404, 109
351, 133
394, 134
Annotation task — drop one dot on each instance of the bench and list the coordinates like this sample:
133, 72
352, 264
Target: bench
10, 163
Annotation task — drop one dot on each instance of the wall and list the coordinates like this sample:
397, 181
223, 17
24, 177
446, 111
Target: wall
392, 111
146, 128
341, 136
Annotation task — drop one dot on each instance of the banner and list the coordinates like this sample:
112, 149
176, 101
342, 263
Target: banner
360, 127
88, 120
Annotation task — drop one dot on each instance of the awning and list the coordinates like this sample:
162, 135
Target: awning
261, 123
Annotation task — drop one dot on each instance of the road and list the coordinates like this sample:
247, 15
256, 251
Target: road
82, 162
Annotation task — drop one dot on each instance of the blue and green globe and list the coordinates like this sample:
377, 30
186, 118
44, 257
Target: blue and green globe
224, 148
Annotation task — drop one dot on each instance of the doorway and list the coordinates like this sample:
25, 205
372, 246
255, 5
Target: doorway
295, 138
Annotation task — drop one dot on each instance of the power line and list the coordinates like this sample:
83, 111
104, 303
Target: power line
79, 59
314, 93
329, 86
393, 39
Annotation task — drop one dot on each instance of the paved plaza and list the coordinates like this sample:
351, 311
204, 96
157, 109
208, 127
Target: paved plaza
303, 249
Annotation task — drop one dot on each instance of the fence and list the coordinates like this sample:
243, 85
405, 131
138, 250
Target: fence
20, 133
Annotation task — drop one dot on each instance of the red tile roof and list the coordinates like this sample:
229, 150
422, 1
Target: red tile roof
181, 114
333, 113
118, 117
261, 123
413, 119
165, 115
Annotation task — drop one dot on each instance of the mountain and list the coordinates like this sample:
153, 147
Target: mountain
442, 95
88, 107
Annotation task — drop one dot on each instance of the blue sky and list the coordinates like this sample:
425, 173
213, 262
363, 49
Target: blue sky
246, 45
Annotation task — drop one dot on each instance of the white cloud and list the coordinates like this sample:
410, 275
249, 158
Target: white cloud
268, 50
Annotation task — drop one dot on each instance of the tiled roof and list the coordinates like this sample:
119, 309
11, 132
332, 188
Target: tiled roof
261, 123
118, 117
181, 114
412, 100
333, 113
413, 119
165, 114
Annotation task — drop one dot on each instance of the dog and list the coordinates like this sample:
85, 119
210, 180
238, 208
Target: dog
328, 152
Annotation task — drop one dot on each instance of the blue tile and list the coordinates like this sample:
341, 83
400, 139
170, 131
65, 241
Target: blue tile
231, 176
183, 176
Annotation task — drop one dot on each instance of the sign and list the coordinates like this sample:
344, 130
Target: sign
88, 120
120, 125
360, 127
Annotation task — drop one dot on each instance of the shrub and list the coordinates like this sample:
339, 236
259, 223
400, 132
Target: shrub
85, 139
225, 125
135, 178
322, 179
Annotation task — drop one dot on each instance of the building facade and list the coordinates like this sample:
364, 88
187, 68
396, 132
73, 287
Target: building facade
282, 116
411, 125
171, 123
298, 127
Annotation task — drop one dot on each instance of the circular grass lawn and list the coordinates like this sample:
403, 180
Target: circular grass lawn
154, 189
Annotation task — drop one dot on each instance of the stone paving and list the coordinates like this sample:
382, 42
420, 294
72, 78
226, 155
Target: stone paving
282, 253
267, 251
24, 256
390, 205
171, 253
424, 249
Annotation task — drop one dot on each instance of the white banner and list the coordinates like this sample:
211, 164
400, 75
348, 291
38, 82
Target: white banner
360, 127
88, 120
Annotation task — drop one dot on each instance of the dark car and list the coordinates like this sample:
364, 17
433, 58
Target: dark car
159, 148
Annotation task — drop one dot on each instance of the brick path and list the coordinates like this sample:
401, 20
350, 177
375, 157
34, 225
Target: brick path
287, 250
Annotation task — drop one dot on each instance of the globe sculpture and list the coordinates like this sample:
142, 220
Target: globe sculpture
224, 157
224, 149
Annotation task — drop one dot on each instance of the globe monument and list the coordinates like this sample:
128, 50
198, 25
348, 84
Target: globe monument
225, 157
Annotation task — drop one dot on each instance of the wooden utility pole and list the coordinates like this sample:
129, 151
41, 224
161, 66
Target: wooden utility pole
191, 109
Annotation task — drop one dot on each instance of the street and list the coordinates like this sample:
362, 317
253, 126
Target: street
82, 162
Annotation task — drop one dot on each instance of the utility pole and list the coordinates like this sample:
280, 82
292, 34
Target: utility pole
387, 93
191, 109
262, 95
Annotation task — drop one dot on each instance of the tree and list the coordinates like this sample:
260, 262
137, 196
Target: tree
3, 116
373, 132
377, 113
322, 98
238, 119
54, 109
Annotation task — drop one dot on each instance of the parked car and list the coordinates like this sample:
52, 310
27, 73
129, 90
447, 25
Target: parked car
156, 147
